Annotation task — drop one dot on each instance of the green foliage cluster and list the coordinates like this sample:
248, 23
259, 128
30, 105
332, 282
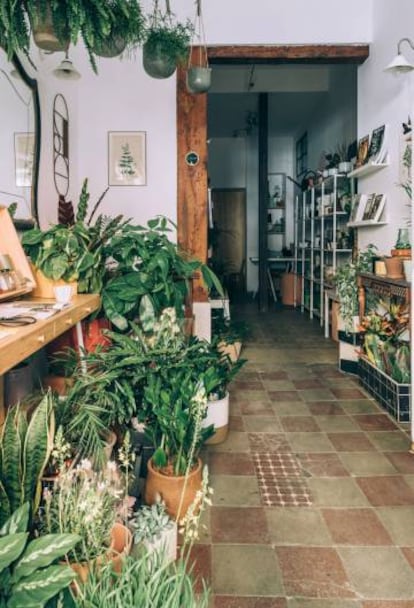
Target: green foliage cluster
25, 446
165, 35
28, 575
91, 20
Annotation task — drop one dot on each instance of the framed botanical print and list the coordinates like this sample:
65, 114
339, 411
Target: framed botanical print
127, 158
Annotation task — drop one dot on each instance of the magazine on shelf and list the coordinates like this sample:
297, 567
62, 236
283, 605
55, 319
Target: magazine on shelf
376, 209
362, 154
358, 203
369, 203
377, 151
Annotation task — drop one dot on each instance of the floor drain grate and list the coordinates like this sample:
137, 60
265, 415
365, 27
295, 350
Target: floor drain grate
281, 480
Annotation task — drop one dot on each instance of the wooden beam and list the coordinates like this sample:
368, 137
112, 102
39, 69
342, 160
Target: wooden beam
294, 53
192, 195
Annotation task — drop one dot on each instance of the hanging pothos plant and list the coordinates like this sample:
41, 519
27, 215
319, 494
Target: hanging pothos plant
166, 42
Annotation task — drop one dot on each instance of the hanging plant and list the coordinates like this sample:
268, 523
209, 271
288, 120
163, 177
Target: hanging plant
166, 42
198, 72
127, 30
57, 23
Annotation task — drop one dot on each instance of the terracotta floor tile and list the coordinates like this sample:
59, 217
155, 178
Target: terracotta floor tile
246, 570
299, 602
355, 527
280, 480
402, 461
256, 408
249, 395
316, 394
386, 491
297, 526
350, 442
239, 525
388, 604
326, 408
200, 558
236, 441
361, 464
399, 521
232, 601
236, 423
311, 383
247, 385
268, 442
336, 492
274, 375
378, 572
390, 441
309, 442
360, 406
294, 408
299, 424
375, 422
322, 465
336, 424
231, 464
262, 424
284, 396
409, 555
348, 393
235, 490
313, 572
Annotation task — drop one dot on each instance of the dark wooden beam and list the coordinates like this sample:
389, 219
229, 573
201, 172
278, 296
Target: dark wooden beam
263, 194
192, 211
294, 53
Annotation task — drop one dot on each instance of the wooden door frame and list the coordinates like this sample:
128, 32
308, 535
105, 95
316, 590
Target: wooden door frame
192, 216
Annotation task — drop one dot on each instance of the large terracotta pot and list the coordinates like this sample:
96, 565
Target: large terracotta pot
394, 267
58, 384
170, 488
121, 542
93, 334
45, 286
217, 414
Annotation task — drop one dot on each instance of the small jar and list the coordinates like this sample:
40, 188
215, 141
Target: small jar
8, 281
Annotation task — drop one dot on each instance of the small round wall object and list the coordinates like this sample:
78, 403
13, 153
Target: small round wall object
192, 158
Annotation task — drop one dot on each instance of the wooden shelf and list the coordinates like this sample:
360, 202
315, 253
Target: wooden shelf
368, 169
24, 341
366, 224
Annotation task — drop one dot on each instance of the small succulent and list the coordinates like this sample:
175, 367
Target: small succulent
150, 522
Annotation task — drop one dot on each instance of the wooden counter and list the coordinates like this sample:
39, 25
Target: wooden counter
26, 340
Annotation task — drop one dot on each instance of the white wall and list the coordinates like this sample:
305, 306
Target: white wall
123, 97
383, 98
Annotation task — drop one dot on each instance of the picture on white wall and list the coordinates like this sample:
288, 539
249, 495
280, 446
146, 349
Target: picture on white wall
126, 158
23, 158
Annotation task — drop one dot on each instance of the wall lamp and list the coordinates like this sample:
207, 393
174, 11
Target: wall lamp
400, 64
66, 70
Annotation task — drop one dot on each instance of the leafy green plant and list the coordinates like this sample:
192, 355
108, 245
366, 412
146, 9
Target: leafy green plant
166, 37
28, 576
25, 446
76, 252
90, 20
148, 263
145, 581
150, 521
228, 330
126, 29
345, 281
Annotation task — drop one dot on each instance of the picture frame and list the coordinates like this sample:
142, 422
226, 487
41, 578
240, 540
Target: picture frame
358, 202
277, 190
362, 153
127, 158
24, 151
374, 208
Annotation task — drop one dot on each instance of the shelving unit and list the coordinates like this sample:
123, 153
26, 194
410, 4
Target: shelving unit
322, 240
276, 211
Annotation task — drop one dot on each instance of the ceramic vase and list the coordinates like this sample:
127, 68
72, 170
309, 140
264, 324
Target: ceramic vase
198, 79
156, 63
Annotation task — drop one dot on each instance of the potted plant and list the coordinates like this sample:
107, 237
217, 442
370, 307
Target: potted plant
126, 29
228, 334
57, 23
28, 574
84, 501
147, 263
166, 42
154, 531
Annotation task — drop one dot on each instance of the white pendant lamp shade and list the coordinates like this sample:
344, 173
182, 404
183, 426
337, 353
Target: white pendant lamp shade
399, 65
66, 70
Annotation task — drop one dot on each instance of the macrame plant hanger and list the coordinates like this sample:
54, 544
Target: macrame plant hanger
198, 70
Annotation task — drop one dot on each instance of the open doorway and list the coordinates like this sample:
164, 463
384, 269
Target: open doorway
195, 128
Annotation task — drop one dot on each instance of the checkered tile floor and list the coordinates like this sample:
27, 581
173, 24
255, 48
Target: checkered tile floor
281, 480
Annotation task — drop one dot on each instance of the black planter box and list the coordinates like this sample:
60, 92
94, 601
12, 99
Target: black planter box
394, 397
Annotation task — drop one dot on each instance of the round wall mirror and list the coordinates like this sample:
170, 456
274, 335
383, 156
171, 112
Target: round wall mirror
19, 141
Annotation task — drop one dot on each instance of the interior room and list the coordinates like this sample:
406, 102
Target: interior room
205, 283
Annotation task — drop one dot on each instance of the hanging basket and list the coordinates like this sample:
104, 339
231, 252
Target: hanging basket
44, 34
198, 78
112, 47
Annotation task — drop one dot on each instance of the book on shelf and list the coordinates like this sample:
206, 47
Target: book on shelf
358, 205
377, 151
362, 153
374, 212
366, 215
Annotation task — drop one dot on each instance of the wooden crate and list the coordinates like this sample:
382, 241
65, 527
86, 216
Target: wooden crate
10, 244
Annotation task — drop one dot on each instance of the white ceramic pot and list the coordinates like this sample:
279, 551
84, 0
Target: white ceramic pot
163, 545
198, 79
408, 268
345, 167
218, 414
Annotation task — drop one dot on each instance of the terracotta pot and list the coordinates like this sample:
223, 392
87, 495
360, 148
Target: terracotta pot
170, 488
232, 350
121, 542
217, 414
58, 384
394, 267
401, 253
44, 285
93, 334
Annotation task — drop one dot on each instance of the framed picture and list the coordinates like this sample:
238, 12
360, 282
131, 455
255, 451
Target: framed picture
23, 158
126, 158
362, 154
277, 190
358, 201
374, 207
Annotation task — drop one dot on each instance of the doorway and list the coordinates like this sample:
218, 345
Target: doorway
192, 211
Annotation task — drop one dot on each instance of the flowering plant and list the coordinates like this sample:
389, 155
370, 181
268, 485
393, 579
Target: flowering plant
84, 502
190, 523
